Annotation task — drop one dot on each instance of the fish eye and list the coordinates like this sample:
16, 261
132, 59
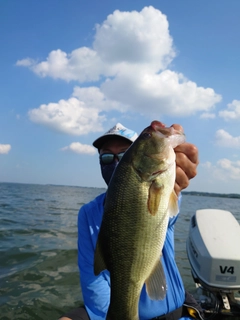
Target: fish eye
146, 135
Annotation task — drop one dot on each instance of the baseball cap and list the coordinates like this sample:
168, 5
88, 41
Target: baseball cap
118, 130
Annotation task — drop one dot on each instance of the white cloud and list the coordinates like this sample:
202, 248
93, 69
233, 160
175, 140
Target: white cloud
135, 38
93, 97
80, 114
28, 62
207, 115
165, 93
230, 169
224, 139
223, 170
69, 116
124, 40
129, 57
5, 148
82, 64
206, 164
233, 111
80, 148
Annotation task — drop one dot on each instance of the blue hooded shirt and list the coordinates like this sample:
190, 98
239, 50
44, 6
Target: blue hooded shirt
96, 289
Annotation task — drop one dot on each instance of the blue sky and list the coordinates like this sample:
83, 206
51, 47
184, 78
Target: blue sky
72, 69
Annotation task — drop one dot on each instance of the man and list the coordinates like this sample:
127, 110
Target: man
96, 289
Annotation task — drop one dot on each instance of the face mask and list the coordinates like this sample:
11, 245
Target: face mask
107, 171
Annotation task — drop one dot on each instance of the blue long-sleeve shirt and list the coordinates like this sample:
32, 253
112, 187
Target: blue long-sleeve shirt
96, 289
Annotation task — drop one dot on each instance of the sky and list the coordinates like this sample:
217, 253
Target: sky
70, 70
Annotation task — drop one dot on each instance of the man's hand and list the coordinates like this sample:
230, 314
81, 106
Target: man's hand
186, 163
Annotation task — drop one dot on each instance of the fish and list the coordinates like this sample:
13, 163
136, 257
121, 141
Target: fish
139, 201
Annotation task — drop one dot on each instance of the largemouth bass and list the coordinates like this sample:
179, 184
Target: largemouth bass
139, 201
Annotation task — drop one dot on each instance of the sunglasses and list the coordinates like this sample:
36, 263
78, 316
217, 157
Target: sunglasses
108, 158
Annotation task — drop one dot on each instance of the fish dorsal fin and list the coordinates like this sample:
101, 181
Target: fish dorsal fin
154, 195
156, 283
173, 204
99, 263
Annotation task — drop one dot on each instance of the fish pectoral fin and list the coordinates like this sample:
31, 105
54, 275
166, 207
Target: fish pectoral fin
173, 205
154, 195
156, 283
99, 263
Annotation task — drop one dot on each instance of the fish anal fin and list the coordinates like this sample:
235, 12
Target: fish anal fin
154, 196
99, 263
156, 283
173, 204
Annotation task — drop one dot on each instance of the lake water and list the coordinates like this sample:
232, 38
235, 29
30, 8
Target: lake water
39, 276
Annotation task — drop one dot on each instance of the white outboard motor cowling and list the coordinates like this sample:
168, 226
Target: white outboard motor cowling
213, 249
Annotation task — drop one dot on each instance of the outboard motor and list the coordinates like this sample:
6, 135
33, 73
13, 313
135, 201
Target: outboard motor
213, 249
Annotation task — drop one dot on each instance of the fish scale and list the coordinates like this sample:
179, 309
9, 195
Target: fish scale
135, 220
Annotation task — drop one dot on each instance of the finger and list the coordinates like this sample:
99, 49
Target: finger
177, 127
188, 167
182, 180
177, 189
190, 150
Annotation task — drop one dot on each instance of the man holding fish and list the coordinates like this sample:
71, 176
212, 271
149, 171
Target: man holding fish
126, 235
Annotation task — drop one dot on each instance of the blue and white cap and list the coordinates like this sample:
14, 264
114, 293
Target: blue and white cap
118, 130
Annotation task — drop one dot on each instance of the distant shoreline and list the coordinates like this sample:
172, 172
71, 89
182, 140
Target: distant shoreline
191, 193
210, 194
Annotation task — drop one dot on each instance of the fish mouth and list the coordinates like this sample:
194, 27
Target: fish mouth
158, 126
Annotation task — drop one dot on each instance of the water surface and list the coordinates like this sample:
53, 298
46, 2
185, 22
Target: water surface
39, 276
